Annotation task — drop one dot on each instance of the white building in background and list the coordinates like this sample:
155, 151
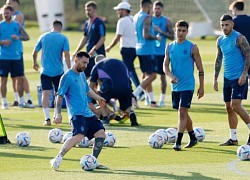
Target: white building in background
47, 11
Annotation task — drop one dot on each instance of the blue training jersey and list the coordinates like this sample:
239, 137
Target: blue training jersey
161, 22
20, 43
143, 46
94, 31
182, 65
233, 58
53, 44
10, 52
74, 88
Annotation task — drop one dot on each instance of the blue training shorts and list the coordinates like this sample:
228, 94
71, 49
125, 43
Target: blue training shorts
182, 99
160, 60
148, 63
14, 67
232, 90
48, 82
87, 126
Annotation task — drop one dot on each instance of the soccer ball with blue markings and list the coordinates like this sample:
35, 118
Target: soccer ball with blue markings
88, 162
110, 139
55, 135
243, 152
67, 136
23, 139
156, 141
163, 133
199, 134
171, 135
84, 143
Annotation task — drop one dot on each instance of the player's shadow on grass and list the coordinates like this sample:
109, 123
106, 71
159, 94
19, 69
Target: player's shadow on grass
217, 150
145, 174
29, 148
20, 126
23, 156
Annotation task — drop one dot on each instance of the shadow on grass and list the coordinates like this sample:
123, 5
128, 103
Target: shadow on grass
217, 150
145, 174
29, 148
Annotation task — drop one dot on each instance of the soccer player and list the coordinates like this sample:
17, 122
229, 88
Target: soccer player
125, 33
93, 36
11, 32
145, 49
163, 27
19, 17
51, 62
182, 54
74, 86
114, 83
234, 51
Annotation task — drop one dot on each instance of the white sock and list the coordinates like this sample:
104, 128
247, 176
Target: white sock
233, 134
151, 96
162, 98
46, 113
137, 91
28, 96
21, 100
4, 101
16, 96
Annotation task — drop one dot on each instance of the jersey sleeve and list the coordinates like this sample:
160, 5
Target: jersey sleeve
63, 85
94, 75
119, 27
102, 29
66, 44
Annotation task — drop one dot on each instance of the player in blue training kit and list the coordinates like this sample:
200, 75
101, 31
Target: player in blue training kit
11, 32
114, 83
51, 61
234, 51
74, 86
163, 27
93, 36
182, 54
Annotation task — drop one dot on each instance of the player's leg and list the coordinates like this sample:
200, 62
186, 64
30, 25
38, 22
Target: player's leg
14, 85
55, 83
5, 69
27, 91
160, 60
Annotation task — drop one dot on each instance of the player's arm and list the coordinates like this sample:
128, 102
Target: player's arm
146, 30
245, 49
24, 35
58, 110
217, 66
81, 44
166, 69
113, 42
67, 58
97, 46
93, 95
35, 64
19, 18
169, 30
198, 62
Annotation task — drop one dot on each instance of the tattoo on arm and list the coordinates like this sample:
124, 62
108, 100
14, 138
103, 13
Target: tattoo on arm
146, 29
218, 63
59, 104
245, 49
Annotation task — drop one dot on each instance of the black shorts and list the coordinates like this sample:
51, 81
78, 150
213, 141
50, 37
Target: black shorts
48, 82
160, 60
182, 99
14, 67
87, 126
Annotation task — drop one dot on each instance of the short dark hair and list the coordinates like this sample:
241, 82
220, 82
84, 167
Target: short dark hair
226, 17
159, 3
91, 4
7, 7
182, 23
57, 22
239, 5
18, 2
145, 2
81, 54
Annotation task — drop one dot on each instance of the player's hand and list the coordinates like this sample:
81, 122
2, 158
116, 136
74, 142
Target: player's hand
200, 92
6, 42
173, 80
215, 85
157, 28
102, 101
36, 66
13, 36
242, 79
58, 119
107, 49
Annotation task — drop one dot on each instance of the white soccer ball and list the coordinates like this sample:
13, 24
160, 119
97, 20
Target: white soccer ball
84, 143
67, 136
243, 152
156, 141
109, 140
171, 135
163, 133
23, 139
92, 142
199, 133
55, 135
88, 162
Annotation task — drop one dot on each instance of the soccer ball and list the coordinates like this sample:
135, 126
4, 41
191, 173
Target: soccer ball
163, 133
199, 133
55, 135
243, 152
171, 135
23, 139
92, 142
88, 162
156, 140
84, 143
67, 136
109, 140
